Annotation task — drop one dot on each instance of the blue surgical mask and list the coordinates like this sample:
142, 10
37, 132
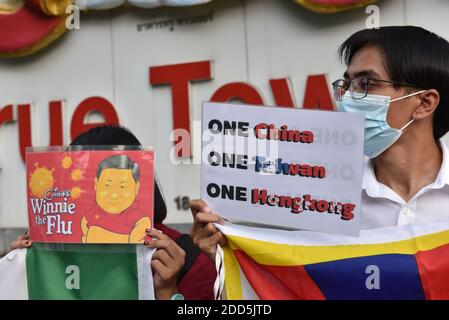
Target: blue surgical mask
379, 136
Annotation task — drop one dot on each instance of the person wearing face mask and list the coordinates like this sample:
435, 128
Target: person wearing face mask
398, 77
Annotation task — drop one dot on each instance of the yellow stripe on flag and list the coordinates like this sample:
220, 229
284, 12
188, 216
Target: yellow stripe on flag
233, 283
278, 254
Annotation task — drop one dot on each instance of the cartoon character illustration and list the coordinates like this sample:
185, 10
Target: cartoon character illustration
115, 217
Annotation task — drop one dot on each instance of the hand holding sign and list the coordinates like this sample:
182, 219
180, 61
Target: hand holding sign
289, 168
90, 196
204, 233
166, 263
22, 241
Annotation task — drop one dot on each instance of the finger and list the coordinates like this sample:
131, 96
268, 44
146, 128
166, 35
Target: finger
163, 257
159, 268
204, 232
199, 234
157, 234
157, 244
209, 245
24, 236
223, 241
202, 217
169, 246
217, 237
20, 244
169, 258
14, 245
168, 261
211, 228
199, 205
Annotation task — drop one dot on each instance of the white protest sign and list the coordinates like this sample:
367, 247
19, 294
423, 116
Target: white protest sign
283, 167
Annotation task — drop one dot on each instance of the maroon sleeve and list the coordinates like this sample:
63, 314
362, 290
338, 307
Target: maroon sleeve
198, 283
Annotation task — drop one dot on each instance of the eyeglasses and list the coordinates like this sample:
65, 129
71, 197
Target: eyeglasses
359, 86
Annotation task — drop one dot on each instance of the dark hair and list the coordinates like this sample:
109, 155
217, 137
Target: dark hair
106, 136
119, 162
116, 135
411, 55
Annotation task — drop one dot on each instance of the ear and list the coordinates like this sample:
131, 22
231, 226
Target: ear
429, 102
95, 185
137, 187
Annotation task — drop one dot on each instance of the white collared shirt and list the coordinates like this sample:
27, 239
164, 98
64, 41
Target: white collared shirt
382, 207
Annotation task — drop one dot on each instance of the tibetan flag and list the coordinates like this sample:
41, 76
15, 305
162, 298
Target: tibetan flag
409, 262
72, 272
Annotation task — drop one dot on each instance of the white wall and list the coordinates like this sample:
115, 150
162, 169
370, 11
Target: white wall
252, 40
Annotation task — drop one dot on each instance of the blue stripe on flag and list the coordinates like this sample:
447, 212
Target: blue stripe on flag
389, 276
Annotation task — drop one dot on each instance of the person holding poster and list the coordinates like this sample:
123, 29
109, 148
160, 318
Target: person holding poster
177, 266
398, 78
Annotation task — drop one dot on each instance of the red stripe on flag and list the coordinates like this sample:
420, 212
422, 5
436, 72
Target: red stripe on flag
278, 282
433, 266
